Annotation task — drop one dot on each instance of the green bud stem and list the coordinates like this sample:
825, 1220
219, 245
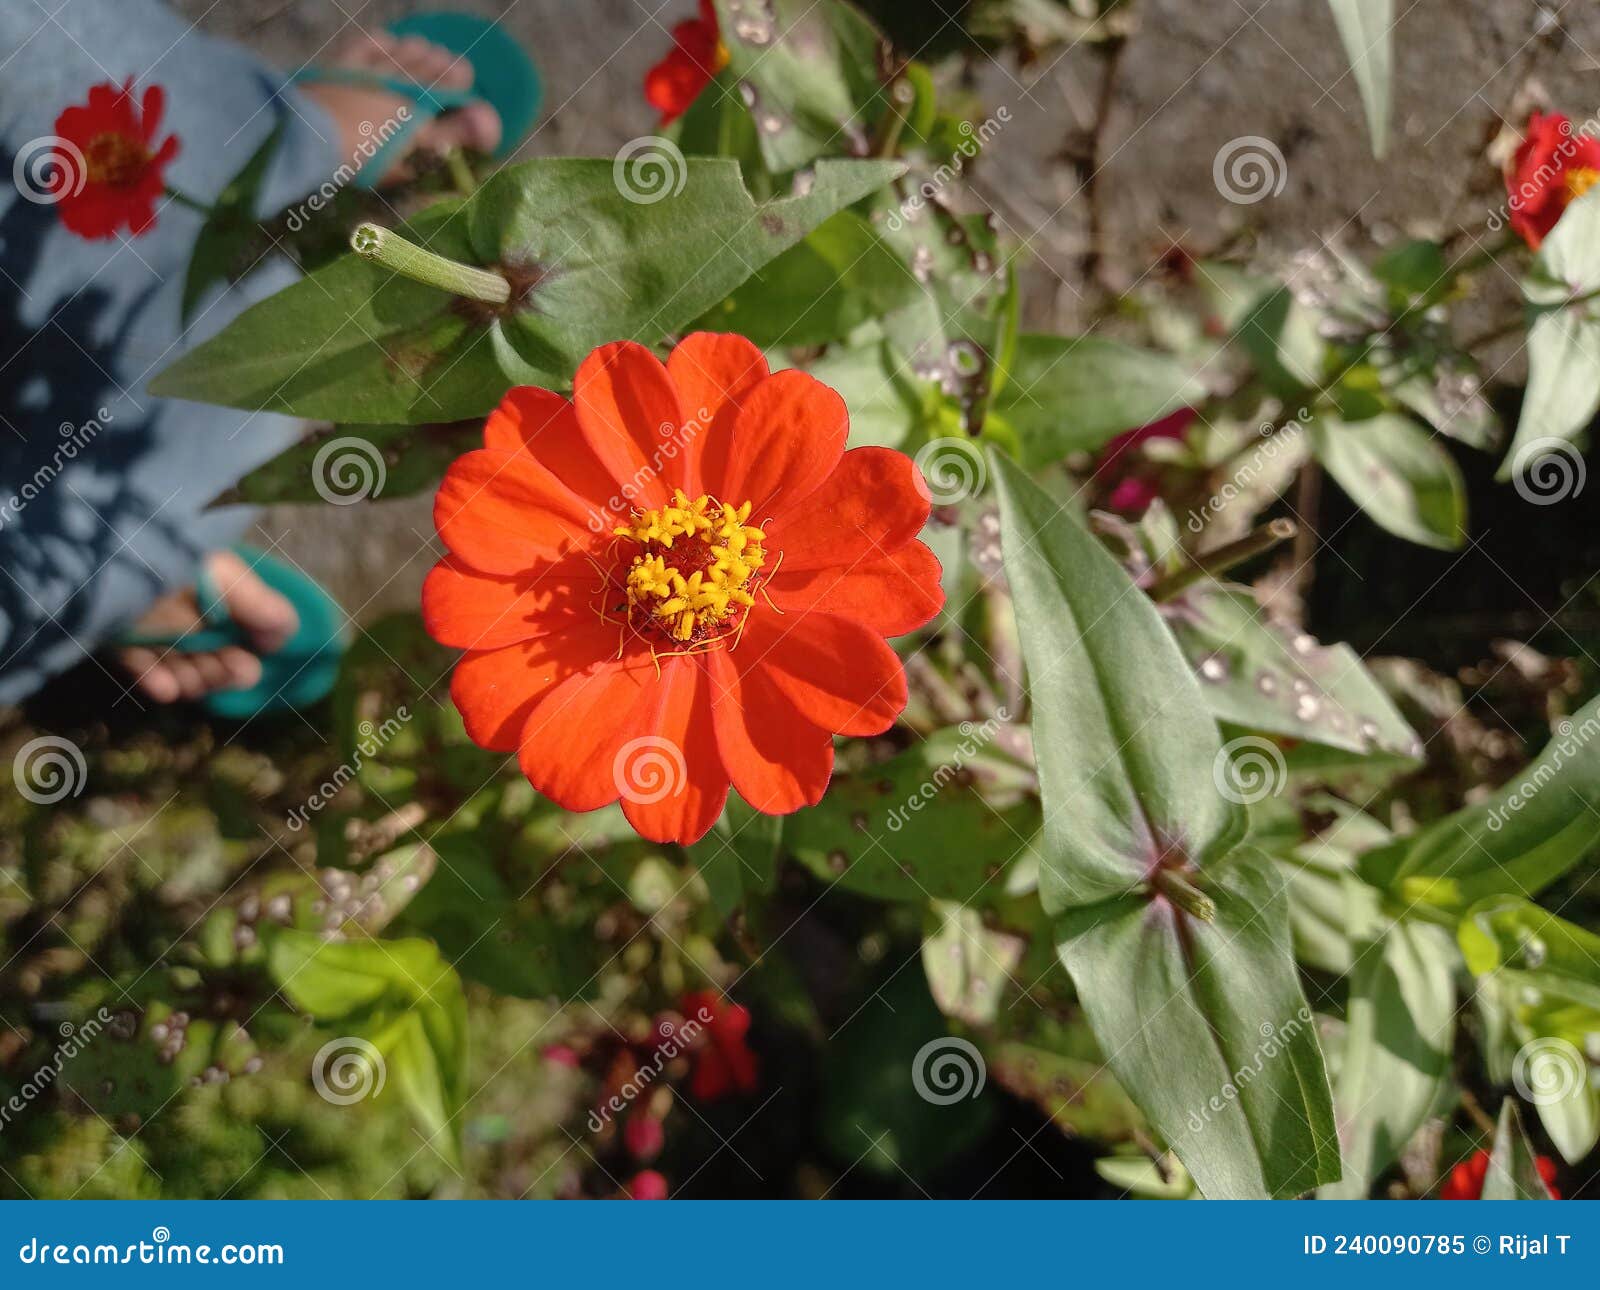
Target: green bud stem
1184, 894
1213, 564
386, 247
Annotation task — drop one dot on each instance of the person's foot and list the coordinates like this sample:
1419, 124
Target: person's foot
168, 675
365, 114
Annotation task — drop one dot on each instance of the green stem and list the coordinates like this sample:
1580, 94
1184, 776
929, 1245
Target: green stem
386, 247
183, 199
1184, 894
461, 172
1213, 564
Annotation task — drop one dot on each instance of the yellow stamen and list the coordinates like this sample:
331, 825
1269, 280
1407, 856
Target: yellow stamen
693, 573
1580, 180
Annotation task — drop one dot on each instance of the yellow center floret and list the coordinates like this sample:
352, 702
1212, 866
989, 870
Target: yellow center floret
1579, 180
693, 576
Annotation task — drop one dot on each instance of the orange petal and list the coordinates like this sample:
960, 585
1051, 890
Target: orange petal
869, 507
837, 673
466, 609
712, 373
576, 730
892, 594
777, 759
545, 425
672, 781
787, 439
629, 414
495, 690
502, 512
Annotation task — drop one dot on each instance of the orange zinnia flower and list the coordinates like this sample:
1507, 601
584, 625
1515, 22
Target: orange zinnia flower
676, 580
111, 169
697, 55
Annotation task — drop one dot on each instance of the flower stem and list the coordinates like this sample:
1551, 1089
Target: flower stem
386, 247
1215, 563
183, 199
1184, 894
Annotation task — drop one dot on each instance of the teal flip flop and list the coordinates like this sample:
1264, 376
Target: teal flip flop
295, 676
503, 76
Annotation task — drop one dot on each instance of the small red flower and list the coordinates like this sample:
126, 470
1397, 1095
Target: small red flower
723, 1064
1553, 168
647, 1184
110, 171
1134, 492
1466, 1179
697, 55
643, 1135
676, 581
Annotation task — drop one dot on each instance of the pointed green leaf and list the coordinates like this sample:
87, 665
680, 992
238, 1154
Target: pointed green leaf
1127, 750
1400, 475
1206, 1027
231, 240
1367, 29
842, 274
349, 463
1398, 1037
1516, 841
809, 73
354, 342
1264, 676
1513, 1164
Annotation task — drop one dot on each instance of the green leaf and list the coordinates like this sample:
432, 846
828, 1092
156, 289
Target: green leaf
514, 946
1563, 391
354, 342
1264, 676
1513, 1164
739, 855
944, 820
1205, 1025
402, 998
1127, 751
1551, 971
1399, 474
1516, 841
343, 464
1367, 29
968, 965
959, 332
1070, 394
808, 70
1394, 1064
889, 406
901, 1093
1283, 339
841, 275
231, 240
1140, 1176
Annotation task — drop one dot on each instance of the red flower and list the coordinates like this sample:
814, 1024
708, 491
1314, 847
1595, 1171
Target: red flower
1466, 1179
110, 168
1553, 168
724, 1063
697, 55
647, 1184
678, 580
1134, 491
